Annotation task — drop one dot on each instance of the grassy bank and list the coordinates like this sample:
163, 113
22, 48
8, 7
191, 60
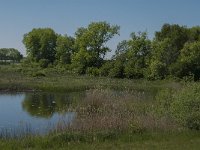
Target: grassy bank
149, 140
17, 78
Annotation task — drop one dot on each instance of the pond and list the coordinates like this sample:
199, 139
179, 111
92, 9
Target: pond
35, 113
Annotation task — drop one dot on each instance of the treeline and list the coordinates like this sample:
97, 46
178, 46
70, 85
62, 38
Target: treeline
174, 51
10, 55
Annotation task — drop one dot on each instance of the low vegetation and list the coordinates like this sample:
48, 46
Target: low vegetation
183, 106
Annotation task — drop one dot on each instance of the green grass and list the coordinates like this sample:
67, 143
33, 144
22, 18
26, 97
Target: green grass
17, 78
148, 140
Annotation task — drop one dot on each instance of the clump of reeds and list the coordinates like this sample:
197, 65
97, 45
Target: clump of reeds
107, 110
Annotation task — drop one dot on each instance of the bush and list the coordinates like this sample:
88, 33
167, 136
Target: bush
117, 71
39, 74
156, 70
92, 71
43, 63
183, 105
105, 69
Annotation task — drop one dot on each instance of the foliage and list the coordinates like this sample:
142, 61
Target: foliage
90, 44
92, 71
40, 44
182, 105
43, 63
81, 60
118, 70
105, 69
190, 60
64, 49
174, 51
178, 36
156, 70
133, 56
10, 54
186, 106
38, 74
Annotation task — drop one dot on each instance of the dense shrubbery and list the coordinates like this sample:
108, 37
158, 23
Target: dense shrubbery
183, 105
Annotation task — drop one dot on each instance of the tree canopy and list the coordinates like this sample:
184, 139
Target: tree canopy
174, 51
40, 44
10, 54
90, 44
64, 49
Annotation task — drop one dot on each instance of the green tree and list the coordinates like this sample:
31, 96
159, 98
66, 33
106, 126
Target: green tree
162, 56
166, 49
189, 60
122, 49
81, 61
115, 66
10, 54
64, 49
178, 35
118, 69
106, 68
91, 42
194, 34
40, 44
137, 56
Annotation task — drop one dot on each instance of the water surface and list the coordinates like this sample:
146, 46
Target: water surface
35, 113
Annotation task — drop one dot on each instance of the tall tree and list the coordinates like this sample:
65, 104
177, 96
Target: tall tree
92, 40
166, 48
137, 55
64, 49
194, 34
10, 54
189, 60
40, 44
176, 36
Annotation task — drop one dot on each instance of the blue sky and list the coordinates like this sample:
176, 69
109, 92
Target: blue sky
18, 17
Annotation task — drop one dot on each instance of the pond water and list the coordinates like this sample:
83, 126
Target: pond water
35, 113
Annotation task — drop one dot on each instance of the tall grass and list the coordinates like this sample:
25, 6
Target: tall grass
108, 111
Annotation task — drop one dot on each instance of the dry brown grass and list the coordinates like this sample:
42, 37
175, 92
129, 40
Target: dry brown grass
106, 110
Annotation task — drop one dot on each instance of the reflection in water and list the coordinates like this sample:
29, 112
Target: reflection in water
46, 104
35, 113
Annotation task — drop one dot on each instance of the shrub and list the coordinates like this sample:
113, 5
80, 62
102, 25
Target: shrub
39, 74
44, 63
183, 105
117, 71
105, 69
92, 71
157, 70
